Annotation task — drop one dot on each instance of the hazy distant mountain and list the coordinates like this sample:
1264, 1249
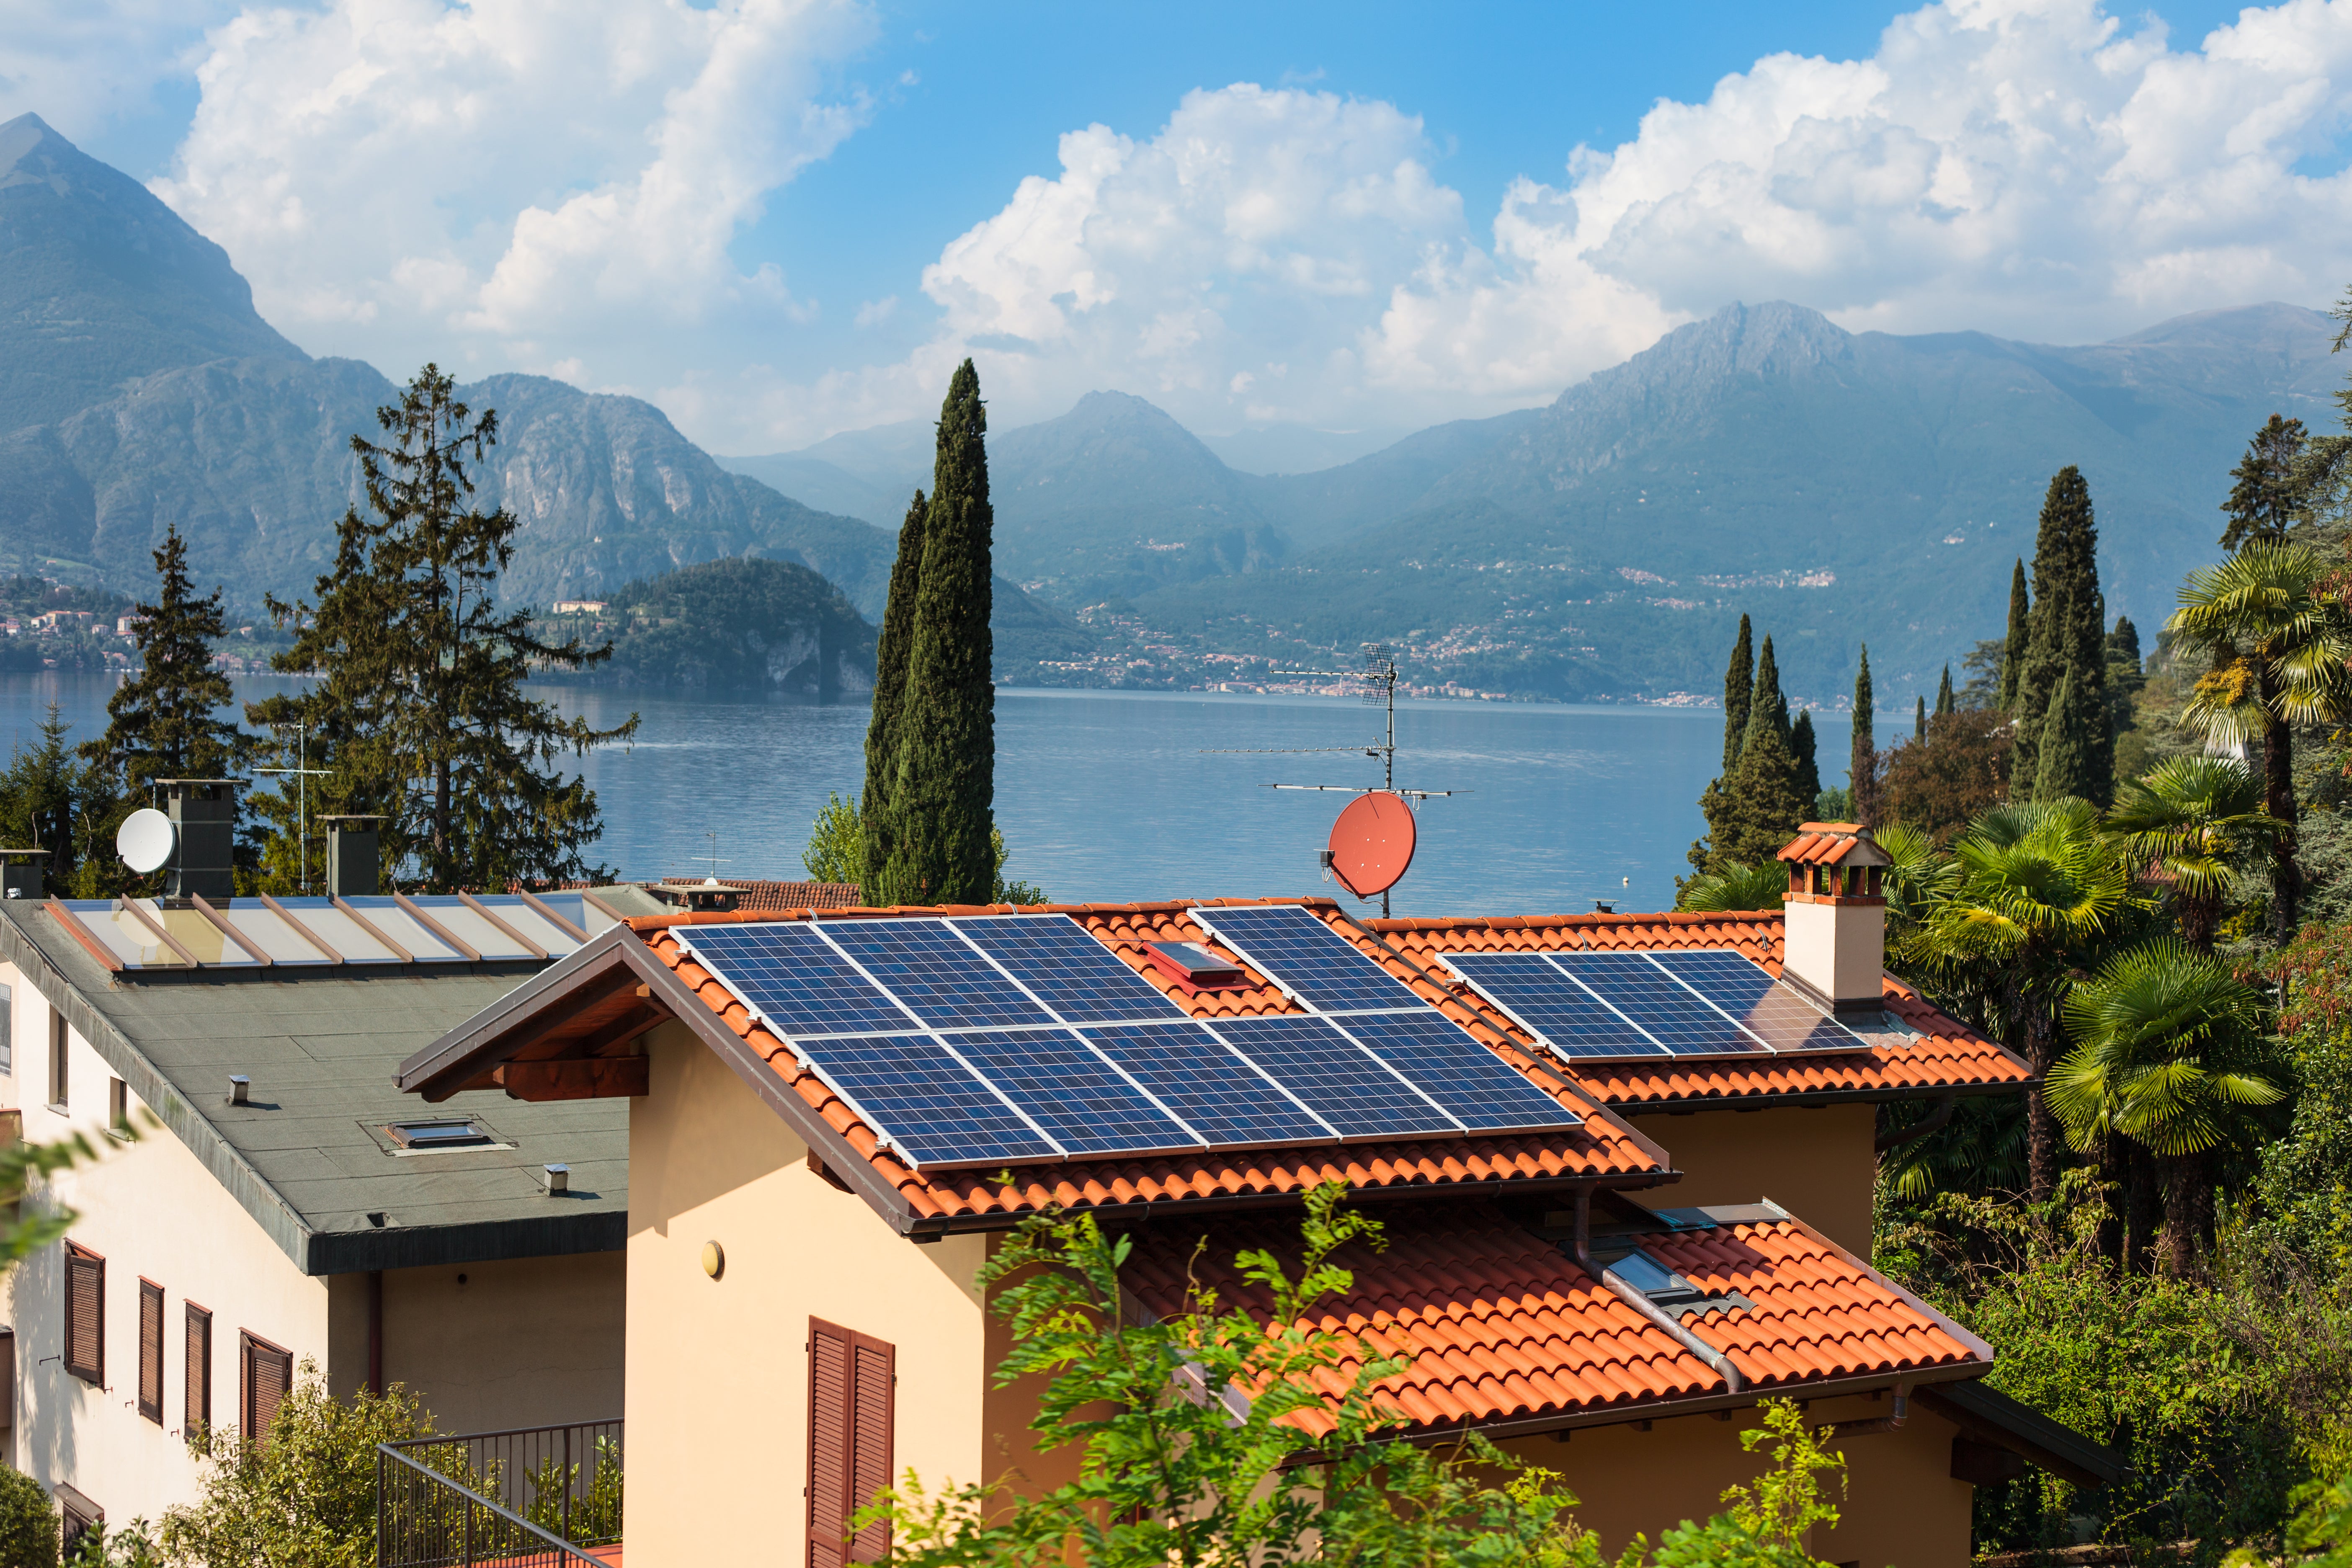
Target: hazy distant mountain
99, 282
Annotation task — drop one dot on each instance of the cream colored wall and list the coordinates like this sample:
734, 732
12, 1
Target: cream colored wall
1901, 1505
151, 1209
1840, 949
1818, 1164
718, 1382
527, 1342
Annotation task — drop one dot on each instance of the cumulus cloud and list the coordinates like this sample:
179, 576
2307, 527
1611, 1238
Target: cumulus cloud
2031, 167
538, 183
83, 66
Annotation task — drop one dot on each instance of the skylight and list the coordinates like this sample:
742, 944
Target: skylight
421, 1137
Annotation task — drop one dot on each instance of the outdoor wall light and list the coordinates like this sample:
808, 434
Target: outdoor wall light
714, 1259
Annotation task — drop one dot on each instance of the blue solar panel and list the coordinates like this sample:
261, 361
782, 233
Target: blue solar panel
1482, 1091
1216, 1092
799, 985
935, 973
1307, 958
1551, 1006
1335, 1078
1784, 1020
922, 1100
1072, 1092
1071, 972
1667, 1013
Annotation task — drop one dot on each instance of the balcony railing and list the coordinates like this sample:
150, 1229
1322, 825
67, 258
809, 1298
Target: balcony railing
539, 1497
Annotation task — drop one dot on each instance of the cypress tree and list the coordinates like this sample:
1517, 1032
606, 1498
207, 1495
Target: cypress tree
941, 802
1945, 700
1767, 705
1764, 801
890, 699
2267, 497
2074, 742
1739, 688
1809, 768
1919, 722
2021, 635
2066, 600
1862, 763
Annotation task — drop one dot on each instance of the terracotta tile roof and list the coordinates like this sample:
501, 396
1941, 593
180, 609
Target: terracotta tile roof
1945, 1054
795, 894
1832, 843
1602, 1147
1499, 1325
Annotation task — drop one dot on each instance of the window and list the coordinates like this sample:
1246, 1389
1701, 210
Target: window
118, 1105
58, 1054
265, 1375
197, 1418
151, 1351
82, 1517
422, 1135
1669, 1291
850, 1407
85, 1314
7, 1032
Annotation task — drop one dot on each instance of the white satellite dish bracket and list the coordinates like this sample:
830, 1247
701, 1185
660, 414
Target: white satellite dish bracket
145, 840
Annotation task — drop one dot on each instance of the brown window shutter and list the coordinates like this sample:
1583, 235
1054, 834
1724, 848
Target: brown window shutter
85, 1355
151, 1351
197, 1418
268, 1373
832, 1367
870, 1441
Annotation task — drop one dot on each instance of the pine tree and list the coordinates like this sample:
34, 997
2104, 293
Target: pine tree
2268, 495
890, 693
2021, 636
1919, 722
422, 715
943, 796
1945, 699
1862, 763
1809, 769
41, 804
164, 722
2066, 601
1738, 689
2074, 739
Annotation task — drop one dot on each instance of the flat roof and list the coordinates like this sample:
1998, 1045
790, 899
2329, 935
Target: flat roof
309, 1158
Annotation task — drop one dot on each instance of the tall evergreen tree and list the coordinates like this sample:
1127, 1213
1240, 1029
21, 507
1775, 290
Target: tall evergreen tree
2073, 736
1765, 799
1919, 722
1861, 761
1767, 705
1945, 699
2021, 637
890, 652
1738, 689
42, 800
2267, 494
942, 799
2125, 677
1802, 750
164, 722
422, 715
2067, 633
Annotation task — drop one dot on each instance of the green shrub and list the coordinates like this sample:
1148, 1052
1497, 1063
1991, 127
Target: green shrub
28, 1522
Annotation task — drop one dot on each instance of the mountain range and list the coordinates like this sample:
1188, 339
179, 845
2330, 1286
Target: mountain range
1840, 487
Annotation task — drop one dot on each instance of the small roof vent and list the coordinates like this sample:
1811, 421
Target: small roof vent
1190, 963
422, 1136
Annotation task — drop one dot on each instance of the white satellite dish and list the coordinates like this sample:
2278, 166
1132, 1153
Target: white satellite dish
145, 840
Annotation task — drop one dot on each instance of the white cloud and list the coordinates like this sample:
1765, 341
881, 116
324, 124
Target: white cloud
2031, 167
513, 183
83, 66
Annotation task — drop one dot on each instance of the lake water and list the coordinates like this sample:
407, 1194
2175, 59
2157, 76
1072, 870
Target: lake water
1111, 797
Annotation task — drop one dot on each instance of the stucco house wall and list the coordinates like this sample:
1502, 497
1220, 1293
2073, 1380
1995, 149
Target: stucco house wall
1816, 1161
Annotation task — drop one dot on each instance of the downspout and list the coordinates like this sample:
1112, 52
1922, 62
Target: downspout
1581, 1240
375, 1331
1936, 1121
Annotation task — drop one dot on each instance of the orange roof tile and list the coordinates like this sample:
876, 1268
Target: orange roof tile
1496, 1324
1834, 844
1601, 1147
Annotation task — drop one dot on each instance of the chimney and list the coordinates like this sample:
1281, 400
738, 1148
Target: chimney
351, 855
1836, 916
20, 873
204, 826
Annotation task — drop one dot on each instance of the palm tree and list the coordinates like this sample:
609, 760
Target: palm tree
2189, 823
1737, 886
2276, 633
2035, 892
2170, 1053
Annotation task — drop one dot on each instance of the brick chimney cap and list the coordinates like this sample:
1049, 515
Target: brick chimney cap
1834, 844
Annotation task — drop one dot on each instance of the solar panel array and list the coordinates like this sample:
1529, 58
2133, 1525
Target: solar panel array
1645, 1006
1007, 1039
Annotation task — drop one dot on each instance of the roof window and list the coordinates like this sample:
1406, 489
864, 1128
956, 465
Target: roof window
1193, 964
421, 1137
1669, 1291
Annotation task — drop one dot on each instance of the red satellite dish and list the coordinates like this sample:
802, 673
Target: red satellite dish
1371, 844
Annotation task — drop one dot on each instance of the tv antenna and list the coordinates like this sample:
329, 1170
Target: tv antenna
303, 774
1378, 681
712, 857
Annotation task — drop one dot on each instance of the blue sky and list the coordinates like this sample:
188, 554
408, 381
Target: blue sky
782, 218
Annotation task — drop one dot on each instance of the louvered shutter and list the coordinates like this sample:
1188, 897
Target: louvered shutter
869, 1467
832, 1368
85, 1314
151, 1351
267, 1374
198, 1417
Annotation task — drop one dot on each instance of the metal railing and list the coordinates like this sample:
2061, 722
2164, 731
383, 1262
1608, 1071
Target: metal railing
530, 1497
